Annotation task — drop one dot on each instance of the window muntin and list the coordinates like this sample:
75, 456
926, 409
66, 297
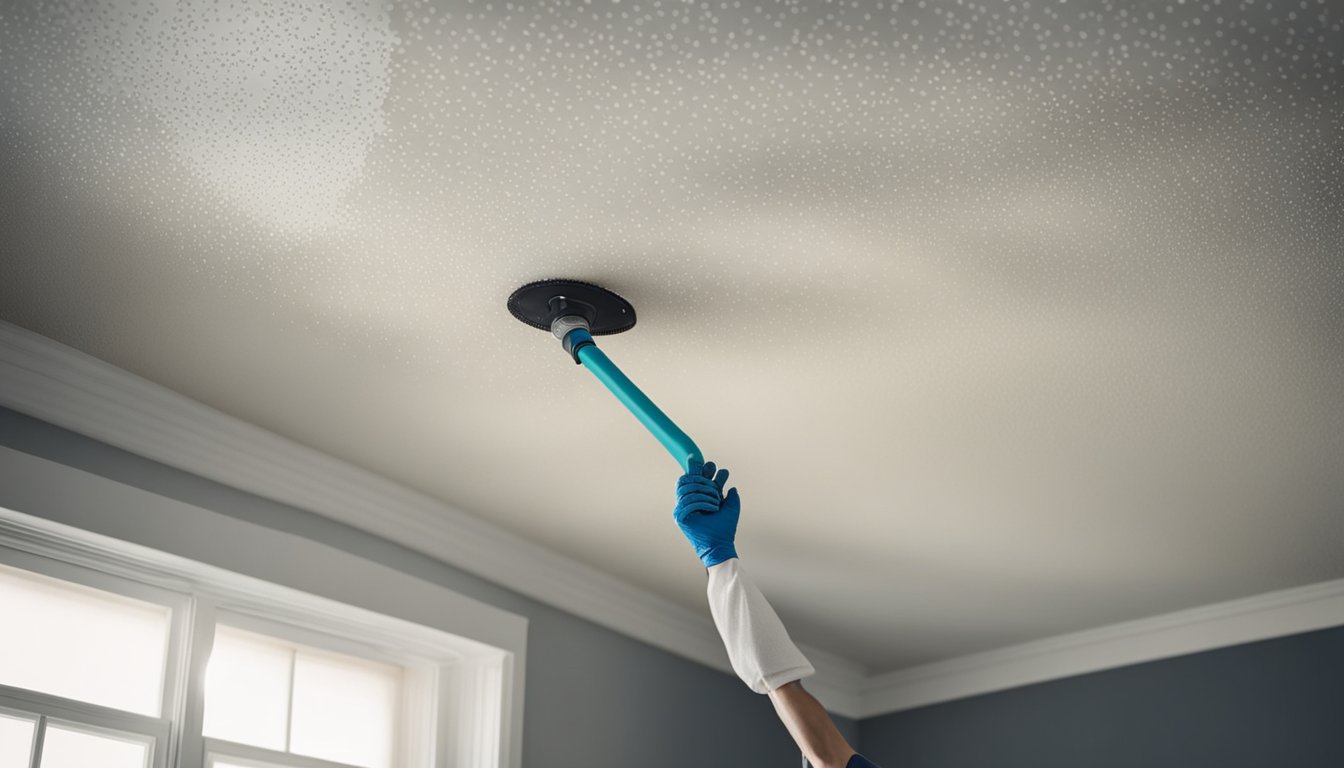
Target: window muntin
317, 703
66, 745
82, 643
16, 739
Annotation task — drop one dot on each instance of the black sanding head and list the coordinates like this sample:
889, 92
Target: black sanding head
539, 304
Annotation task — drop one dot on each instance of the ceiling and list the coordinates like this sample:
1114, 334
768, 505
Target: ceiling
1010, 319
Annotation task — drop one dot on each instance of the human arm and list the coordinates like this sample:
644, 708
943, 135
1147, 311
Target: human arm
811, 727
758, 646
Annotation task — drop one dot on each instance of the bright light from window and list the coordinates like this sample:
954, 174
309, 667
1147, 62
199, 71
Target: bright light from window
68, 748
82, 643
16, 740
270, 693
247, 689
345, 709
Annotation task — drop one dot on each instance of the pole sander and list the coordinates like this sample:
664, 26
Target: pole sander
574, 312
758, 646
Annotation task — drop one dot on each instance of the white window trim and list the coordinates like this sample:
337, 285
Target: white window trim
481, 670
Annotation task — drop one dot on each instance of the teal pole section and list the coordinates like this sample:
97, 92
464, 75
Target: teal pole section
677, 443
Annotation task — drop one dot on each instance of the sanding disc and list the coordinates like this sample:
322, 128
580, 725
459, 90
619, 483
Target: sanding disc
539, 304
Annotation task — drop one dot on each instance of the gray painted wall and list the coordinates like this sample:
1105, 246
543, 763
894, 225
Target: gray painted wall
597, 698
593, 697
1273, 703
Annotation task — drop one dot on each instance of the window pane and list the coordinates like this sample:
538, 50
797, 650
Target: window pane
16, 741
247, 689
66, 748
81, 643
345, 709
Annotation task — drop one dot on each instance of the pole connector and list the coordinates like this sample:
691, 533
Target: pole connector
572, 331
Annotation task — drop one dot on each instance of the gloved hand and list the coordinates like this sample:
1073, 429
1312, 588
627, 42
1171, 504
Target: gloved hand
706, 516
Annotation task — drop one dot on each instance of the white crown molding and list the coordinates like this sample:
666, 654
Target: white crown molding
60, 385
1273, 614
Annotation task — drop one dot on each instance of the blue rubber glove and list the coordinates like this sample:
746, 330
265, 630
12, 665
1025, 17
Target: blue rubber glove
706, 515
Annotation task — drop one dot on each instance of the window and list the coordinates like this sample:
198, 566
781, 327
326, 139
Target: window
48, 644
99, 666
267, 692
82, 673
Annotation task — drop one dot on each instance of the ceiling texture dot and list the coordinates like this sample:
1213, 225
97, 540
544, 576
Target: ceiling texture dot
1010, 318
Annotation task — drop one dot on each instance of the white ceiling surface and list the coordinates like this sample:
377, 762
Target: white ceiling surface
1011, 319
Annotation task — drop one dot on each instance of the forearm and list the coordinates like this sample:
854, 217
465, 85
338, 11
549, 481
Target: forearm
767, 660
811, 726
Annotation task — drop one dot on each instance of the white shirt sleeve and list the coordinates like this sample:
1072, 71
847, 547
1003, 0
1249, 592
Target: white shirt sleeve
758, 646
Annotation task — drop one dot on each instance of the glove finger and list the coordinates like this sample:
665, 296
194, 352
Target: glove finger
707, 490
732, 499
694, 466
699, 498
720, 479
683, 512
708, 470
698, 484
695, 484
694, 480
703, 507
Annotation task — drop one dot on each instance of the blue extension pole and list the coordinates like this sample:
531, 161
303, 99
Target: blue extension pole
677, 443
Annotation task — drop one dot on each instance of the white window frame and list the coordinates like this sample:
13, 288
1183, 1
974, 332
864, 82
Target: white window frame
447, 680
44, 709
74, 569
86, 716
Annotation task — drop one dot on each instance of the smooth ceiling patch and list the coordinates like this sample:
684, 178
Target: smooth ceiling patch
271, 106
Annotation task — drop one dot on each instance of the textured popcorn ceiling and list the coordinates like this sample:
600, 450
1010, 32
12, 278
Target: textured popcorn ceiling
1011, 318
